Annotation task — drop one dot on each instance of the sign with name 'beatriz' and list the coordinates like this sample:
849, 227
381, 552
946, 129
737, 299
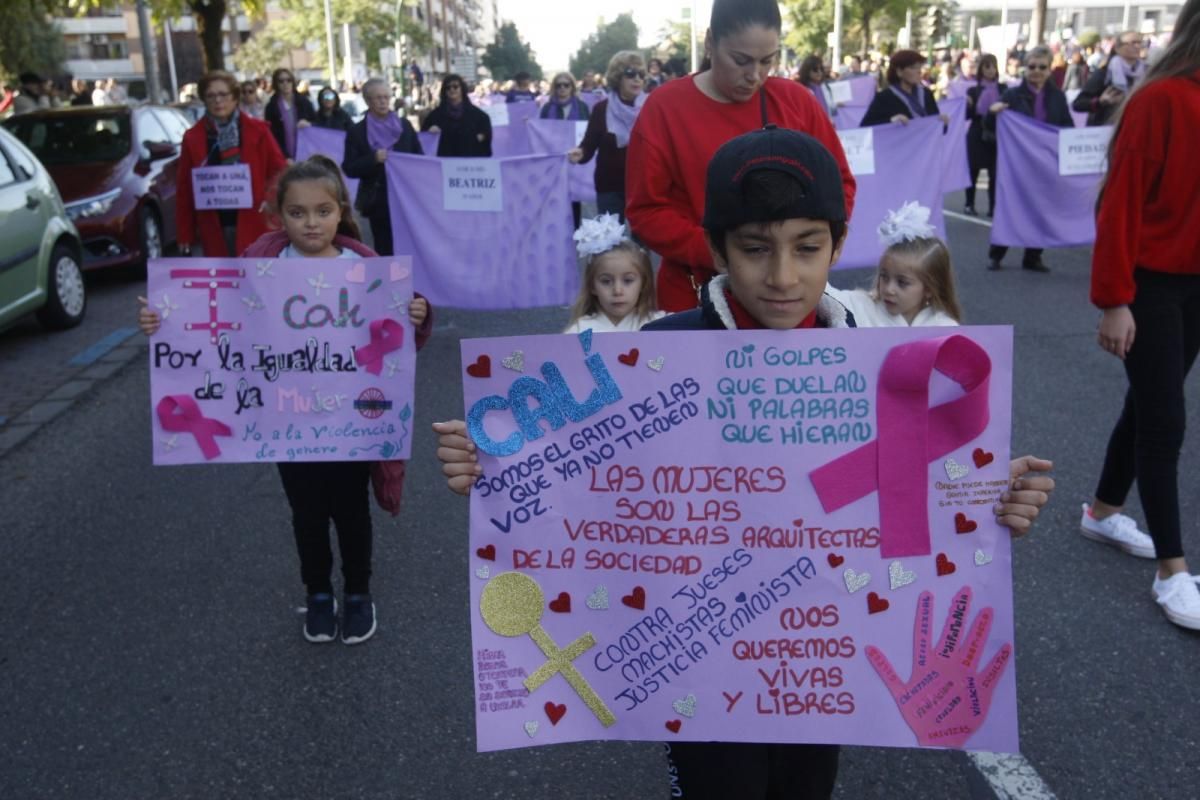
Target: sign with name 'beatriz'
472, 184
304, 359
745, 536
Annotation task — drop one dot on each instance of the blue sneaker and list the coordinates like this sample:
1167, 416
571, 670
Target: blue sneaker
320, 618
358, 622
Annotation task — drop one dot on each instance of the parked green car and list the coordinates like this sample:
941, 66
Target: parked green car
40, 250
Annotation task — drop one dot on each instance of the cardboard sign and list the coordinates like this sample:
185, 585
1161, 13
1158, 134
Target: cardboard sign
222, 187
472, 184
742, 536
859, 144
841, 92
1083, 151
281, 359
498, 113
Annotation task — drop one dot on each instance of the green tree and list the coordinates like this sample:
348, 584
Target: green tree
608, 40
508, 55
262, 53
676, 39
28, 40
812, 21
376, 26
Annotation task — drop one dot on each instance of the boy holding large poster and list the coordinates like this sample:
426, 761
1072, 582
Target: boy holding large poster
776, 221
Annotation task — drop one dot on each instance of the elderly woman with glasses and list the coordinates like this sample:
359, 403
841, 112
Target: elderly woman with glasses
564, 103
609, 127
287, 111
1036, 96
465, 131
225, 137
1109, 85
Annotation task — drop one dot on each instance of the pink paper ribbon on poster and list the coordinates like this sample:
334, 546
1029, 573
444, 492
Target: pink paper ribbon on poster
178, 413
387, 336
910, 436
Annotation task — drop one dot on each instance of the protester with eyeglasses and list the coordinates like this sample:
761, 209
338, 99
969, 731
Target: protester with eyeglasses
609, 128
812, 76
223, 137
1111, 83
1036, 96
330, 113
564, 103
287, 111
466, 131
906, 97
685, 121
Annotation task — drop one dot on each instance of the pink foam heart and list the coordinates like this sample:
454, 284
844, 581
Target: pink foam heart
357, 273
399, 271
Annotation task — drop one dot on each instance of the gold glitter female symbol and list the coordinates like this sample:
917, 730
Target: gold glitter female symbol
512, 605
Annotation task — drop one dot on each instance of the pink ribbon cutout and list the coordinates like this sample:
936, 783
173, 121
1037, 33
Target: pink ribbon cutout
387, 335
911, 434
191, 419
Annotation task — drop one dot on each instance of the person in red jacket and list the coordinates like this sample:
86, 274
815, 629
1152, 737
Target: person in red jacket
1146, 278
684, 122
227, 139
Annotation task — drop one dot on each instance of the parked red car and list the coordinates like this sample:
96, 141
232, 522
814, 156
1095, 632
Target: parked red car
115, 169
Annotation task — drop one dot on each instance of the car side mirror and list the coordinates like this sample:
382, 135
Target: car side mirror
159, 150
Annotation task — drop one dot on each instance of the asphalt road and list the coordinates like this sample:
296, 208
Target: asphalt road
151, 647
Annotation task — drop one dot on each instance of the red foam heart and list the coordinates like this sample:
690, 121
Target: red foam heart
964, 525
834, 559
629, 359
674, 725
488, 553
981, 457
561, 604
636, 599
555, 712
876, 604
944, 565
482, 368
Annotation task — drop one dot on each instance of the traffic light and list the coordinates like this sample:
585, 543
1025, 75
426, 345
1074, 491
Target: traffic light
935, 27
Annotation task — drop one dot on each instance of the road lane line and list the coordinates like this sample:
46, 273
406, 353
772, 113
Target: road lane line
101, 348
1011, 777
967, 218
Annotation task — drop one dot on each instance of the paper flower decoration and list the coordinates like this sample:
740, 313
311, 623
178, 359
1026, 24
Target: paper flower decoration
599, 235
909, 222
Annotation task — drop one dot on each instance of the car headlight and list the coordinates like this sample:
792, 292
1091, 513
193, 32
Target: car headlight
92, 206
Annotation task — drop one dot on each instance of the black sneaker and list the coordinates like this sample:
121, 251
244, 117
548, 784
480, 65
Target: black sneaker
320, 618
358, 622
970, 211
993, 265
1035, 266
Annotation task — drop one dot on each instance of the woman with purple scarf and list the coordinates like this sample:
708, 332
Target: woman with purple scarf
564, 103
812, 76
465, 131
367, 146
1036, 96
287, 111
905, 97
608, 129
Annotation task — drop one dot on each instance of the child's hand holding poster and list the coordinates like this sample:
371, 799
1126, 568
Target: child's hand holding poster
742, 536
307, 359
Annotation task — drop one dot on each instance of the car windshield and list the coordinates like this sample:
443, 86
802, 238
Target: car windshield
74, 138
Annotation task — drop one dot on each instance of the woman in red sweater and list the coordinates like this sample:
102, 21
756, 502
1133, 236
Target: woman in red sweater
1146, 278
685, 121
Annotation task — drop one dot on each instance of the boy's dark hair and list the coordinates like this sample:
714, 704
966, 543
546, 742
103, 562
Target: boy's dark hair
522, 77
732, 16
768, 196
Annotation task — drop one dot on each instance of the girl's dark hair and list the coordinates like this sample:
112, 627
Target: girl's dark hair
320, 168
902, 59
770, 196
452, 78
808, 65
279, 73
984, 60
733, 16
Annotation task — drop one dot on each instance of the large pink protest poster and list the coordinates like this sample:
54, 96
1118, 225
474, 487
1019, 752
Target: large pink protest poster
752, 536
304, 359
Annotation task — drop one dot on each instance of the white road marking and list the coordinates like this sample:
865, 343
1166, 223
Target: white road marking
1011, 777
967, 218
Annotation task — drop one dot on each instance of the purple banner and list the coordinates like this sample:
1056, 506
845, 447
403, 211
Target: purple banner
909, 165
849, 116
1035, 205
306, 359
730, 536
556, 136
957, 88
957, 173
329, 143
429, 142
863, 89
522, 256
592, 97
512, 139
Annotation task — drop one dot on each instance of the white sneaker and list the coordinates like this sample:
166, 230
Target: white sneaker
1180, 599
1118, 530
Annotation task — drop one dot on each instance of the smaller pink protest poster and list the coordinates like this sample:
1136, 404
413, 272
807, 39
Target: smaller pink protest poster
306, 359
743, 536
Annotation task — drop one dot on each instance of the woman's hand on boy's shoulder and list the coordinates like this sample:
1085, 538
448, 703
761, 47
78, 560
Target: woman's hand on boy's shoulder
456, 451
1028, 491
418, 309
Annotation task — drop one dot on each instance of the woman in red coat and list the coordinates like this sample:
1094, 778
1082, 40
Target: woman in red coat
227, 139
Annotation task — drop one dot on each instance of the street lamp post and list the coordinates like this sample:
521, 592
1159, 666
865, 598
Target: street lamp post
329, 43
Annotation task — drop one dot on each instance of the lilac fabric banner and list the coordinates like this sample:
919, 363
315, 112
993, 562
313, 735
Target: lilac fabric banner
863, 89
909, 164
513, 139
429, 142
522, 256
1035, 205
958, 87
548, 136
304, 359
685, 536
957, 173
849, 116
329, 143
592, 97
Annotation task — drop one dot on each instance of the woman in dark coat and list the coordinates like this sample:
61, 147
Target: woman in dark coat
1036, 97
287, 111
330, 113
564, 102
905, 97
466, 132
367, 146
981, 142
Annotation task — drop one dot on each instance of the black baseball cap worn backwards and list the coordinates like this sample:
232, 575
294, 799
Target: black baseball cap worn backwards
819, 194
